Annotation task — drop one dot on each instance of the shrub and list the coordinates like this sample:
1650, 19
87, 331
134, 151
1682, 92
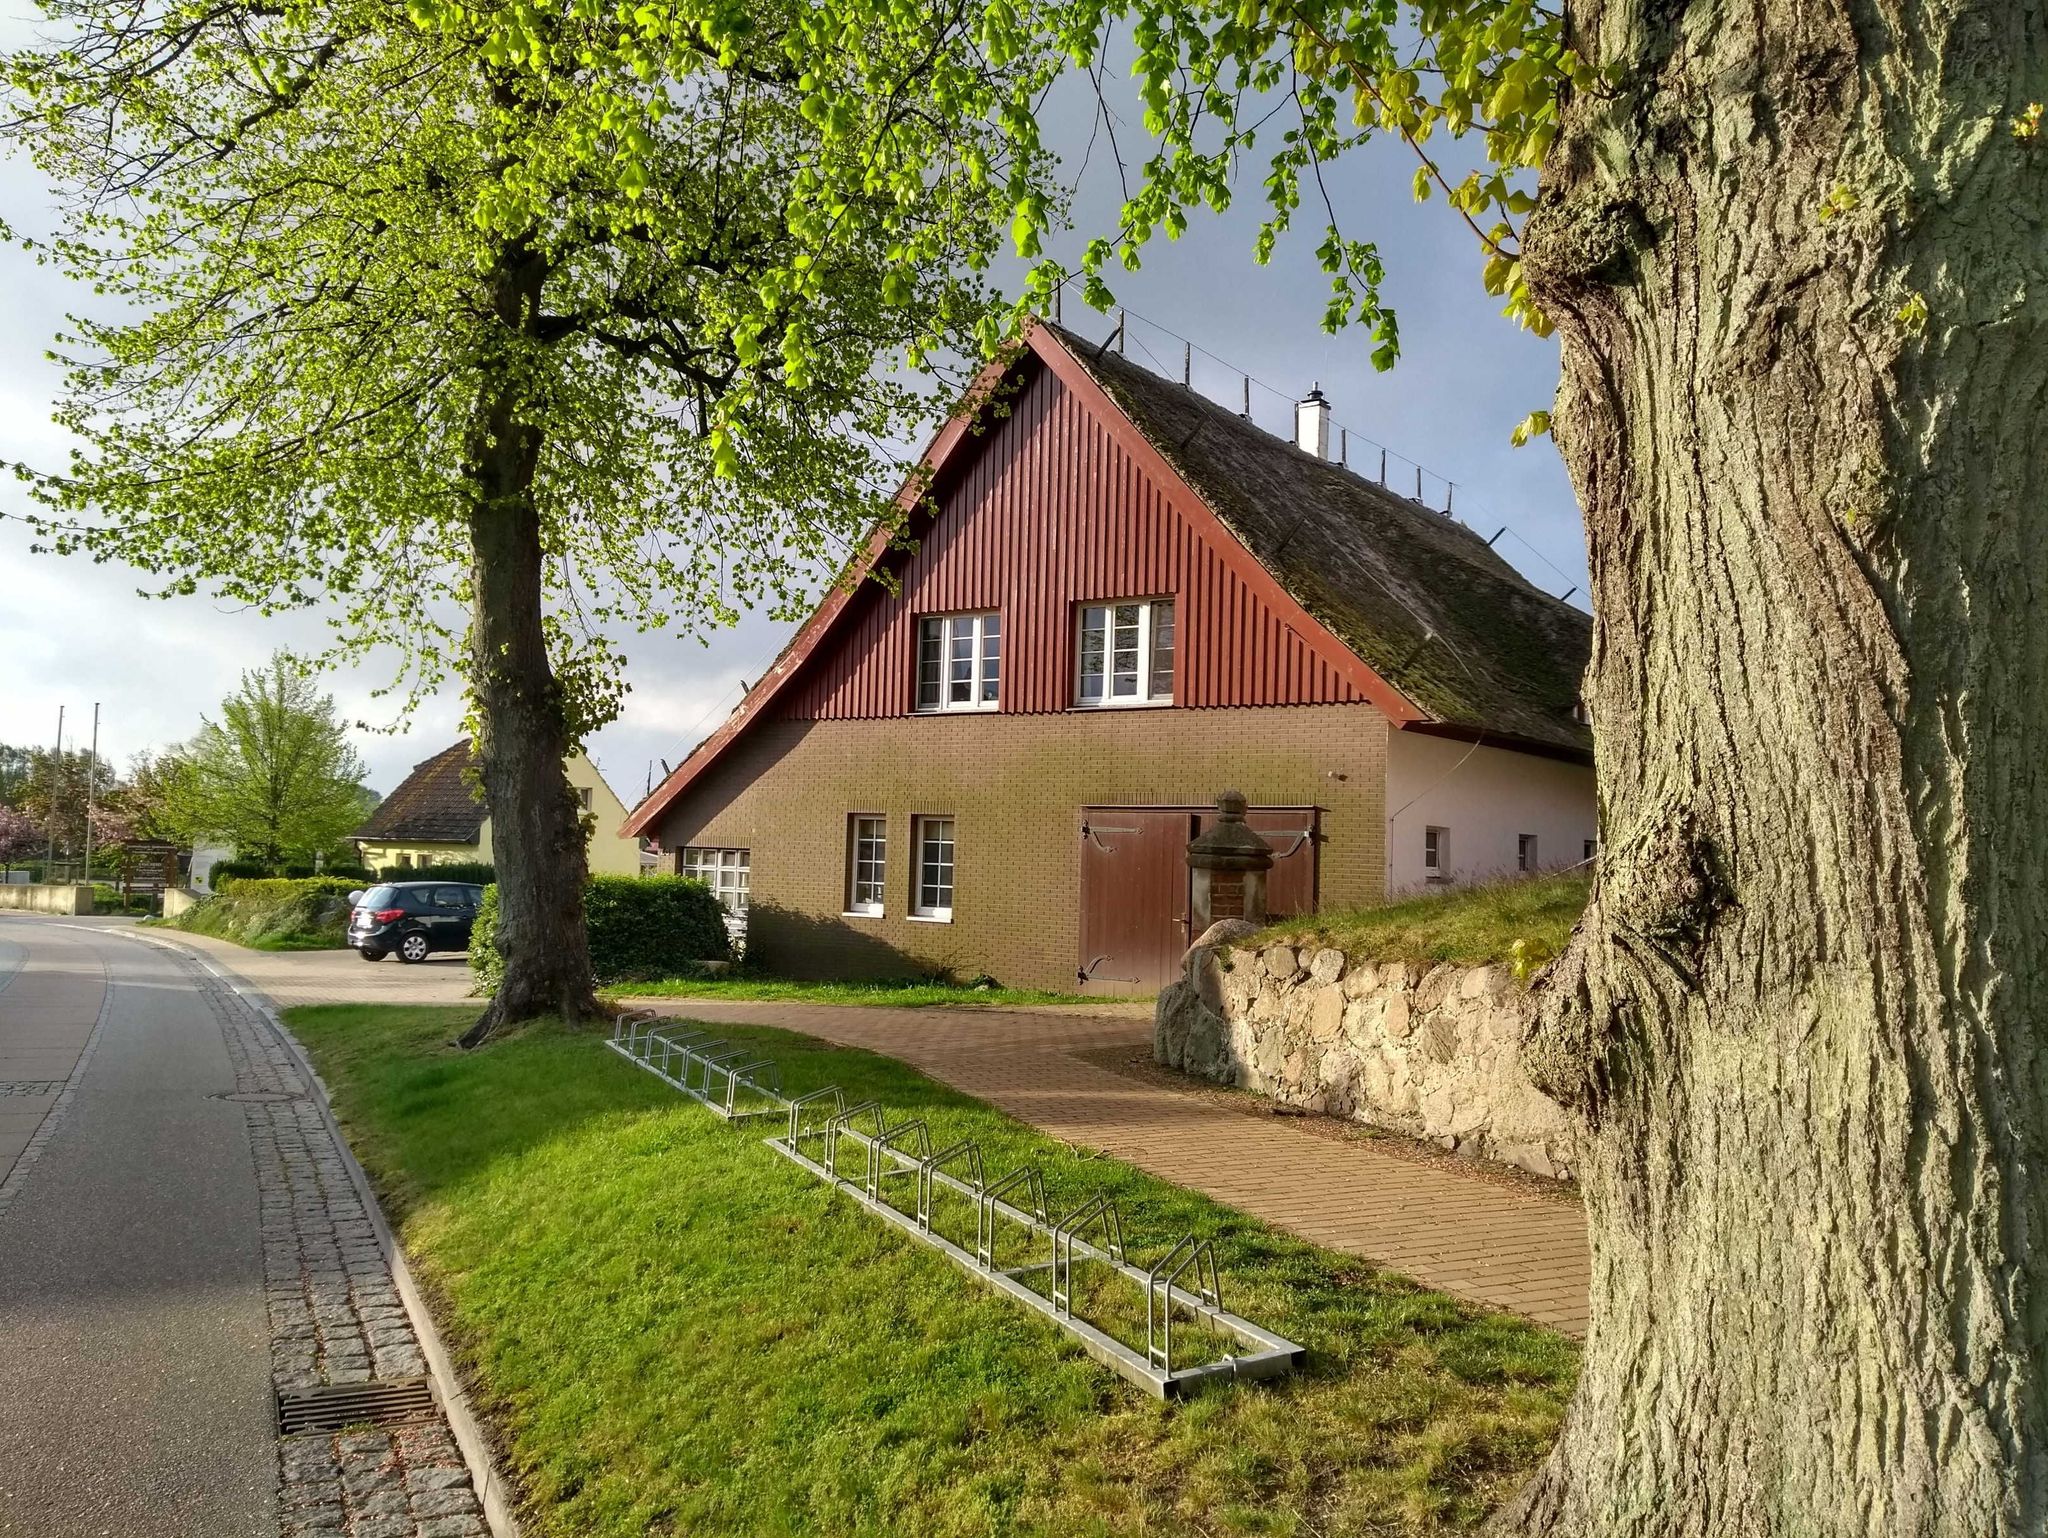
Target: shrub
226, 873
639, 927
268, 911
348, 870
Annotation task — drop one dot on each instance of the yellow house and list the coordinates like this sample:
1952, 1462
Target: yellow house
435, 818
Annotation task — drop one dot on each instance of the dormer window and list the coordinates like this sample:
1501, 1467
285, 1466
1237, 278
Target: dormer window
959, 661
1125, 654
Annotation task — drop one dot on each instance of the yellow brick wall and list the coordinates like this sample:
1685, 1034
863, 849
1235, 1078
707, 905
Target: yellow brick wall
1015, 786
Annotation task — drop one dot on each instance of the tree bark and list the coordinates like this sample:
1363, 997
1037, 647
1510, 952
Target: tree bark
1802, 1022
537, 838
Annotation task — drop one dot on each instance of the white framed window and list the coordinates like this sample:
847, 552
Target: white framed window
1592, 847
959, 661
933, 898
583, 797
1436, 853
867, 861
1525, 851
1125, 653
728, 872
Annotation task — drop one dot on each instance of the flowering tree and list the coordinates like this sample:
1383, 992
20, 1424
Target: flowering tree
19, 836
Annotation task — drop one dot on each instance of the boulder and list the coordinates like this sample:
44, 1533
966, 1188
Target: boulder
1282, 962
1395, 1022
1327, 965
1326, 1022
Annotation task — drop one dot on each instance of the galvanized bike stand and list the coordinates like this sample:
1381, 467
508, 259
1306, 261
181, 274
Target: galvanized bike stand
738, 1087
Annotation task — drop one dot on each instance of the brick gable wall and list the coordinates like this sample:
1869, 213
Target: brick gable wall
1015, 786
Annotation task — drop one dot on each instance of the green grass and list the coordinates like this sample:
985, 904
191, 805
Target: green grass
1469, 925
672, 1330
896, 995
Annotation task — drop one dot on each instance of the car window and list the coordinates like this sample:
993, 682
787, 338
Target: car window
451, 897
379, 897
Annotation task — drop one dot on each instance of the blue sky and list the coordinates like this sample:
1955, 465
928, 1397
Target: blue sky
73, 633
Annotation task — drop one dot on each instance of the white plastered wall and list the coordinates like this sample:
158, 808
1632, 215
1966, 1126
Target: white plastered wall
1484, 798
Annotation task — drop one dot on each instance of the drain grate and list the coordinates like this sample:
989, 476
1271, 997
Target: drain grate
337, 1406
30, 1086
257, 1096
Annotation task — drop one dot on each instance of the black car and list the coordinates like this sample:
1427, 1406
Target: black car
413, 919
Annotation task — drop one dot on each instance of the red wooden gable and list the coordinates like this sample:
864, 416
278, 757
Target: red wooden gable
1063, 501
1051, 512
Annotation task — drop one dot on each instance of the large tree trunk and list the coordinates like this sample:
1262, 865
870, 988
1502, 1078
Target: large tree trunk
537, 838
1803, 1020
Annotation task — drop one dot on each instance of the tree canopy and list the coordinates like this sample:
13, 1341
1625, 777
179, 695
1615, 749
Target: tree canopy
301, 212
274, 775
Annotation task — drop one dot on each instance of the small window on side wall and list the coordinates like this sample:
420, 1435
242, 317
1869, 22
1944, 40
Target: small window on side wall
959, 661
1592, 847
867, 858
1436, 853
1125, 654
933, 898
1525, 851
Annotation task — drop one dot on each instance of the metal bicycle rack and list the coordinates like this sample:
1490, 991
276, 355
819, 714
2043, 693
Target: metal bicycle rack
739, 1086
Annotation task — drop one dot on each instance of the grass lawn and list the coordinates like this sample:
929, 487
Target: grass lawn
675, 1331
896, 995
1468, 925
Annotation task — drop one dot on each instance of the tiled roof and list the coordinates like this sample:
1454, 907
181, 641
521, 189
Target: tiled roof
433, 805
1420, 597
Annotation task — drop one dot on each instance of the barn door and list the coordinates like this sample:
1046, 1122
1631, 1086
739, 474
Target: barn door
1295, 834
1134, 897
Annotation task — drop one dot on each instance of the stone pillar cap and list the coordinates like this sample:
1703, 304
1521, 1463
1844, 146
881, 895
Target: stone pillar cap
1230, 845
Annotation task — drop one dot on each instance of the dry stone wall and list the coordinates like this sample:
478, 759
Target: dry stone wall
1432, 1052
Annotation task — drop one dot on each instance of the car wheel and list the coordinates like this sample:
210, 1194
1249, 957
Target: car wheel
368, 954
413, 948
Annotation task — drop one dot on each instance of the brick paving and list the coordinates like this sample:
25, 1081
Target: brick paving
335, 1313
1465, 1235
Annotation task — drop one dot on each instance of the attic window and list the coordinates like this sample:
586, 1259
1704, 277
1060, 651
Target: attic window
959, 661
1125, 654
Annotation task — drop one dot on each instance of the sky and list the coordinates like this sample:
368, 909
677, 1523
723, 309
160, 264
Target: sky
73, 633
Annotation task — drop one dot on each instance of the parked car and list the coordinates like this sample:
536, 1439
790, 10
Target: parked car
412, 919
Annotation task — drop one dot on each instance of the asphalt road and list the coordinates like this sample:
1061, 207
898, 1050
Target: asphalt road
135, 1387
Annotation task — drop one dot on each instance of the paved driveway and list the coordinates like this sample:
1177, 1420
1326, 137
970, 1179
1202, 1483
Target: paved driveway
291, 978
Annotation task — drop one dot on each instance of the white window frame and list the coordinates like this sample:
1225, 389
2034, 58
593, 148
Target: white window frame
728, 872
1525, 852
859, 905
985, 678
921, 904
1592, 847
1436, 853
1148, 615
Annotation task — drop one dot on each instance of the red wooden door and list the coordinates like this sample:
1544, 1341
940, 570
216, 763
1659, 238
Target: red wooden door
1295, 834
1134, 897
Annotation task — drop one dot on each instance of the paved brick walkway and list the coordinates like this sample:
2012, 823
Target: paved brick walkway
1445, 1229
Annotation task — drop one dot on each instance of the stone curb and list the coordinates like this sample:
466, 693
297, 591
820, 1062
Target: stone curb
491, 1490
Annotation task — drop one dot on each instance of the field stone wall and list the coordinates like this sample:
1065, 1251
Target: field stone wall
1431, 1052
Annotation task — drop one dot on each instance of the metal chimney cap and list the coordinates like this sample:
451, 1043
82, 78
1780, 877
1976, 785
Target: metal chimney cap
1315, 396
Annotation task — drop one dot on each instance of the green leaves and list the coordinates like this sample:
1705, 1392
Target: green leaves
678, 250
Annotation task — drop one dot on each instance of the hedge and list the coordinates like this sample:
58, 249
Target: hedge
639, 927
473, 872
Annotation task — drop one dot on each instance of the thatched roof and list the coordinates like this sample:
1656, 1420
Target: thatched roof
1421, 598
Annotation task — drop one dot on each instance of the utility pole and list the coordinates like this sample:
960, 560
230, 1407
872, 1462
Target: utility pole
56, 764
92, 763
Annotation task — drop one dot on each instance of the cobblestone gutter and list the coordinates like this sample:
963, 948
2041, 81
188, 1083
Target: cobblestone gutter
336, 1316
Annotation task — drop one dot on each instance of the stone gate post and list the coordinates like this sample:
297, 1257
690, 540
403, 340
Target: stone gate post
1229, 862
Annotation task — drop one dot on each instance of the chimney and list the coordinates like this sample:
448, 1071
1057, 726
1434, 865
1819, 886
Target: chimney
1312, 424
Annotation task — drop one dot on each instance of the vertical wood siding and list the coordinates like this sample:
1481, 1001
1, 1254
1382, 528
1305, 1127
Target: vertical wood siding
1050, 514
